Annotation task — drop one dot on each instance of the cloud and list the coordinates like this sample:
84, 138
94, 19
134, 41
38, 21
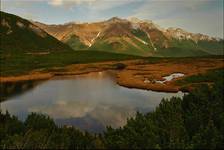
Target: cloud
30, 16
96, 5
205, 16
69, 3
107, 114
10, 4
56, 2
165, 8
108, 4
189, 15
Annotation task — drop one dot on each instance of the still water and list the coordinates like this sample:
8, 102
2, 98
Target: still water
89, 102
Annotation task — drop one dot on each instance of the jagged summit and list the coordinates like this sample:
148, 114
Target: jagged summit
135, 20
115, 20
134, 36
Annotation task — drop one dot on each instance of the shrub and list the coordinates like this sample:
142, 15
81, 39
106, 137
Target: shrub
119, 66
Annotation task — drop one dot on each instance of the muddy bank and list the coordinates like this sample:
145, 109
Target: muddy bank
75, 69
146, 76
134, 74
28, 77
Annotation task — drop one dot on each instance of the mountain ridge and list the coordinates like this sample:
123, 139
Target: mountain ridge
126, 36
133, 36
131, 19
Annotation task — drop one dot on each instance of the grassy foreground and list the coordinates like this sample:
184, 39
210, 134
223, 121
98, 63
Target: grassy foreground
16, 63
194, 122
209, 76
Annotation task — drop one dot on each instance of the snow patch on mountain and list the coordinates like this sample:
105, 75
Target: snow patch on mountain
181, 34
20, 24
37, 30
135, 26
142, 41
154, 48
92, 41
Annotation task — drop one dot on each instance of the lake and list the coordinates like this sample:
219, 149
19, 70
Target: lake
89, 102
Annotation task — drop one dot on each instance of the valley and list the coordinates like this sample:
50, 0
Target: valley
135, 72
140, 53
116, 83
45, 52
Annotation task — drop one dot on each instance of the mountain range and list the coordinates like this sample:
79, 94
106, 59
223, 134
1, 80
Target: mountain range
134, 36
126, 36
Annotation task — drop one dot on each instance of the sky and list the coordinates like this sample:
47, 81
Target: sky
197, 16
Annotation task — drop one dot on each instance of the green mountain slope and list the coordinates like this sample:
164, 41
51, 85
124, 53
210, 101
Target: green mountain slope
75, 43
121, 45
142, 38
136, 37
189, 47
25, 47
18, 34
212, 47
180, 52
121, 38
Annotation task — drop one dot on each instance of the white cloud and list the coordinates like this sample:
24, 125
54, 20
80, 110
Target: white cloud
193, 15
189, 15
96, 5
156, 9
69, 3
108, 4
56, 2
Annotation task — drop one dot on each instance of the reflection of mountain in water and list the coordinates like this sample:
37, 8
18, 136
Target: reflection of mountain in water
10, 89
90, 102
84, 123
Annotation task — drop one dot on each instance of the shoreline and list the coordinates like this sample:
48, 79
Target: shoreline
132, 76
28, 77
50, 76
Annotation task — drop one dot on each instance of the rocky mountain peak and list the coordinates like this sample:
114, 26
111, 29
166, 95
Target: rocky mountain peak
115, 20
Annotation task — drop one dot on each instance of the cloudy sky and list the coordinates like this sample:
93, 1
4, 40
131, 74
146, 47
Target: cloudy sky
198, 16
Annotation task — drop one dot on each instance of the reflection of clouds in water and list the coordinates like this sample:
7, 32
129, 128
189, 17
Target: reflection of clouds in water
114, 116
65, 109
61, 103
106, 114
85, 99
